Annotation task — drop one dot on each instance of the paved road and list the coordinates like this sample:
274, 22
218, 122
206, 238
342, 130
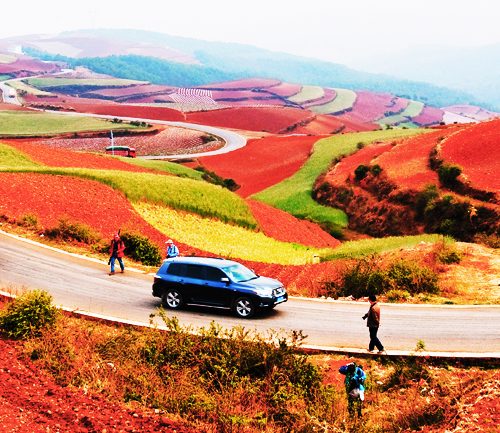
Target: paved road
83, 284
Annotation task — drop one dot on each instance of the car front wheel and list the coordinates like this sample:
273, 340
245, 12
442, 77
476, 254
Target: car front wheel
172, 299
244, 307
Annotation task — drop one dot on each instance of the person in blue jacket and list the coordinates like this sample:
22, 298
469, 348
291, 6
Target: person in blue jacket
354, 386
172, 250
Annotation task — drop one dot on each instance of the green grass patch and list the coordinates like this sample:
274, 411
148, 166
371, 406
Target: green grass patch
413, 109
293, 195
343, 101
10, 157
307, 93
47, 83
223, 239
4, 77
26, 124
164, 166
365, 247
179, 193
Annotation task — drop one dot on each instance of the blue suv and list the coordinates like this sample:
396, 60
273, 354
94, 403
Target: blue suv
216, 283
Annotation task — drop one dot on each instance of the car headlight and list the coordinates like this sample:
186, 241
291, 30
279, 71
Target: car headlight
264, 291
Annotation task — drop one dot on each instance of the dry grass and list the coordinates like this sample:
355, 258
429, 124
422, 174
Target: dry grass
240, 384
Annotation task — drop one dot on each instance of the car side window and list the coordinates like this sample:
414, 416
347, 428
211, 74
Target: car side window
214, 274
196, 271
177, 269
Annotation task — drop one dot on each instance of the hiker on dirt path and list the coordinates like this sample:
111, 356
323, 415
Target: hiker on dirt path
354, 387
373, 324
116, 252
172, 250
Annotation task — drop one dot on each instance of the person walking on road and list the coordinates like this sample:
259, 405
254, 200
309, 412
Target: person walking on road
172, 250
354, 387
116, 252
373, 324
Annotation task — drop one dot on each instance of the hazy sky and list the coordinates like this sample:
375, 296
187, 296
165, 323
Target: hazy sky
341, 31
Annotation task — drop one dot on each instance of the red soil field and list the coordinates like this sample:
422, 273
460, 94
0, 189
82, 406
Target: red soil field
32, 401
369, 106
267, 119
477, 150
282, 226
12, 107
142, 112
237, 94
169, 140
429, 116
38, 151
285, 89
322, 124
256, 166
249, 83
344, 170
407, 164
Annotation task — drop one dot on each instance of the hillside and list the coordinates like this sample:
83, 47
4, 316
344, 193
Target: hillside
161, 52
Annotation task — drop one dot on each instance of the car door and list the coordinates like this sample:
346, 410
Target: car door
215, 291
177, 280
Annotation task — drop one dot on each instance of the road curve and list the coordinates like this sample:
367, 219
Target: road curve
83, 284
232, 140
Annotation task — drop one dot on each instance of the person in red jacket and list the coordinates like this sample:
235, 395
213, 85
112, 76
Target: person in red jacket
116, 252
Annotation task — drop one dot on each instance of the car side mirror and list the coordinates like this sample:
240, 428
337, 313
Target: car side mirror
225, 280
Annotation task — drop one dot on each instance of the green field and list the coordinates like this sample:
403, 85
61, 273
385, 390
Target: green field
47, 83
293, 195
4, 77
29, 124
307, 93
166, 166
413, 109
343, 101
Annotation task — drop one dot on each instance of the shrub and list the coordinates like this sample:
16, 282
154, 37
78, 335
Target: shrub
361, 171
368, 276
446, 253
29, 220
375, 170
27, 315
413, 277
141, 249
448, 174
212, 177
397, 295
69, 231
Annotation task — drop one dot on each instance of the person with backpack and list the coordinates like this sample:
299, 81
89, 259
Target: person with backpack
116, 252
354, 386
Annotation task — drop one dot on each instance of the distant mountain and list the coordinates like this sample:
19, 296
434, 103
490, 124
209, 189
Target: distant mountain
216, 61
475, 70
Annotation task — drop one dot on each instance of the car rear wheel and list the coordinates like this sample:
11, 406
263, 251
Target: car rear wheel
172, 299
244, 307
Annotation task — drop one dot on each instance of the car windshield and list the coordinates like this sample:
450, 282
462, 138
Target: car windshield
239, 273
